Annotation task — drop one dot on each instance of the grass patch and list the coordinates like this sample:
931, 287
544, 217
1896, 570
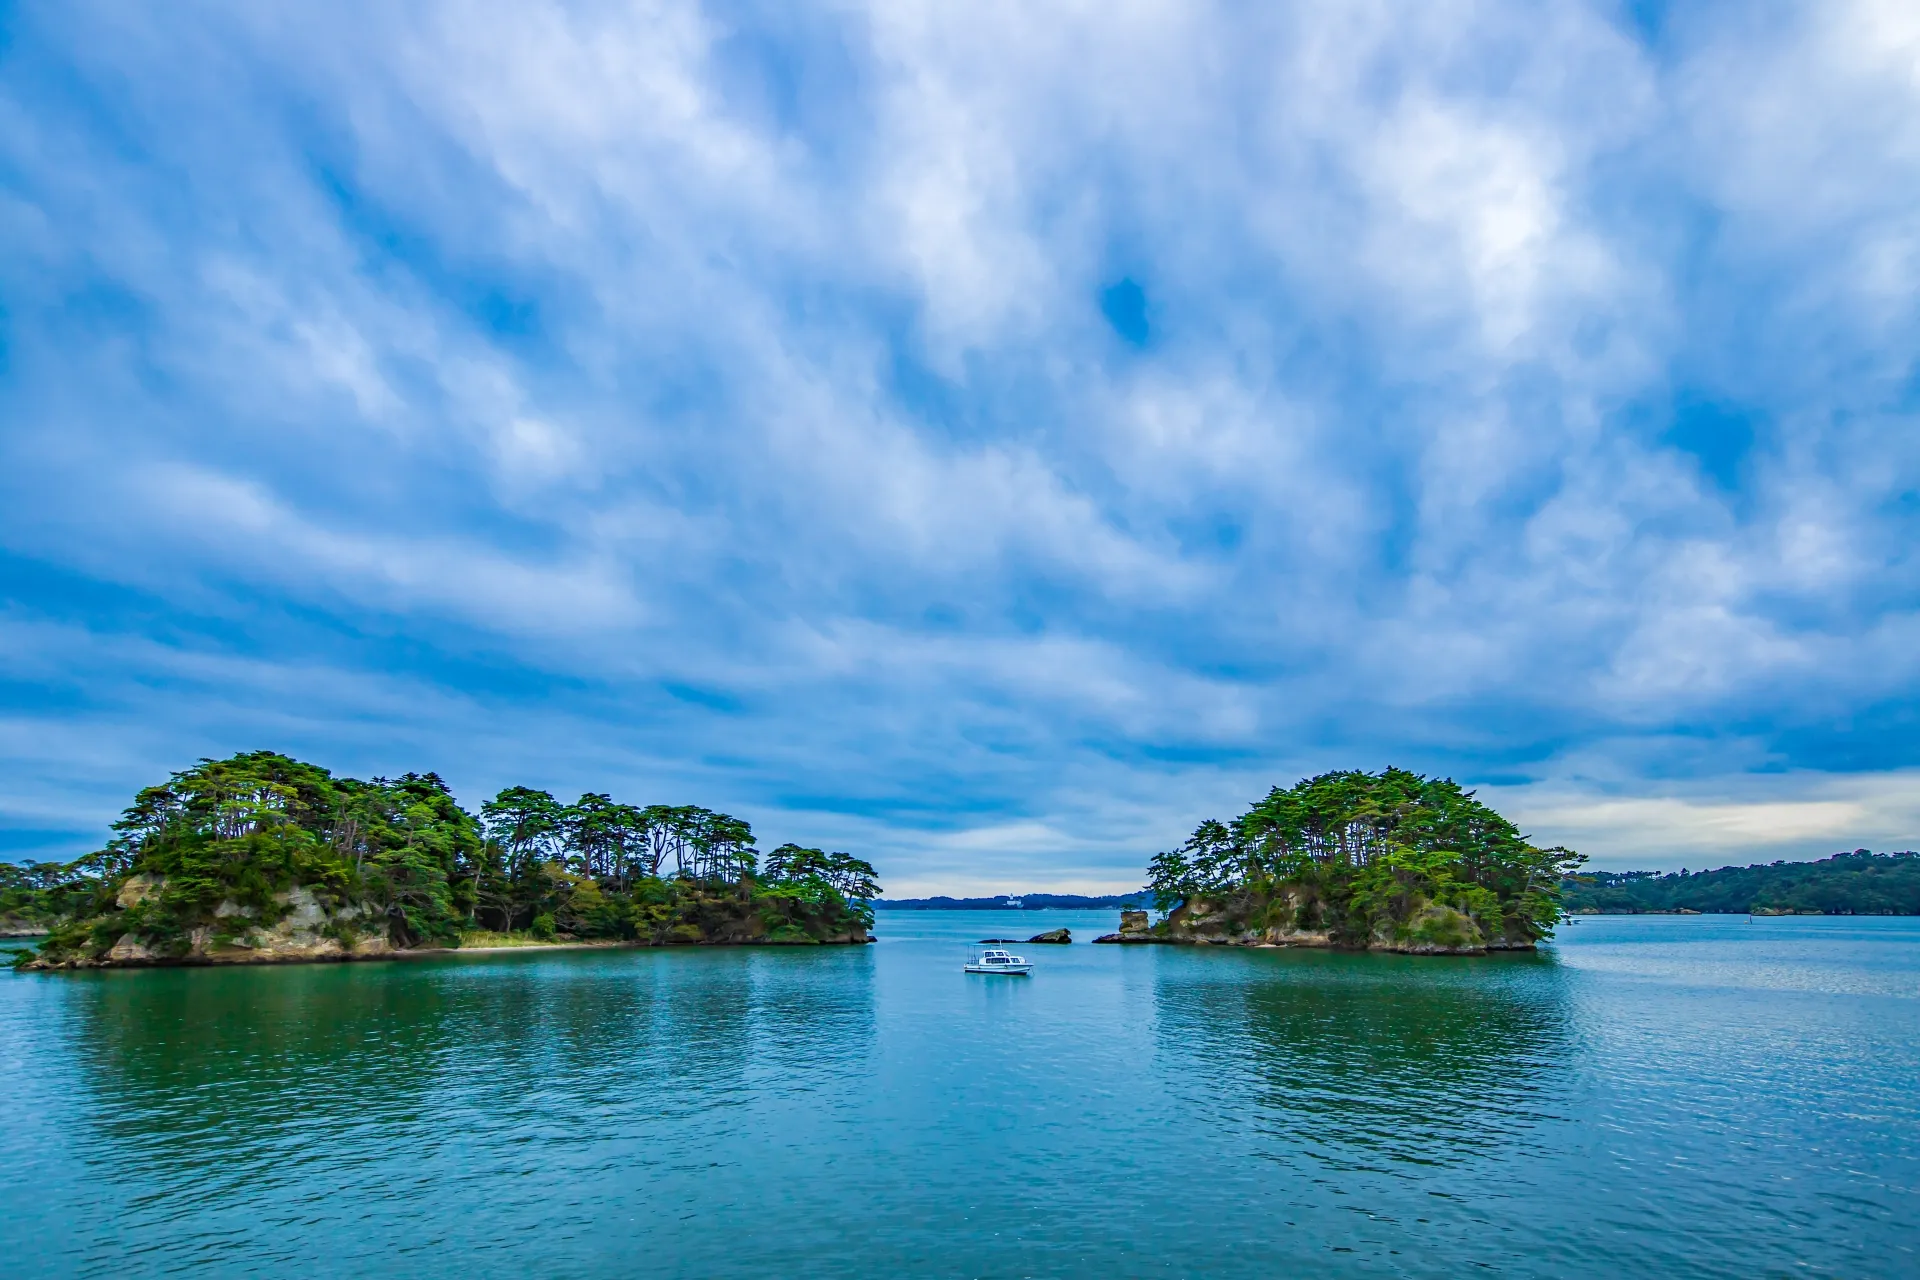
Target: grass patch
488, 938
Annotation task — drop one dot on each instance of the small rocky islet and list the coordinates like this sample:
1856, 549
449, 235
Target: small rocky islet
1049, 937
261, 858
1390, 861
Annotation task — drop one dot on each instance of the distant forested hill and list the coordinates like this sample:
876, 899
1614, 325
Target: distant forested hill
1847, 884
1028, 902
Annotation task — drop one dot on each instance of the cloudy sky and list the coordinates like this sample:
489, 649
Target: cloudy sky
990, 437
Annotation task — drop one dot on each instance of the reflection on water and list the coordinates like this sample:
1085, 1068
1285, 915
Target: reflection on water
1620, 1108
278, 1097
1373, 1062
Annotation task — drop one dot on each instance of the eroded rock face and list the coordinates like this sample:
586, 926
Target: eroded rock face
304, 910
1224, 923
130, 950
138, 889
307, 924
304, 928
1201, 921
1287, 936
1052, 936
1429, 929
1134, 927
1507, 942
1433, 930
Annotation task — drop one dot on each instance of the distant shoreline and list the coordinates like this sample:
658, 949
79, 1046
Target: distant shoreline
1860, 883
1762, 912
1018, 902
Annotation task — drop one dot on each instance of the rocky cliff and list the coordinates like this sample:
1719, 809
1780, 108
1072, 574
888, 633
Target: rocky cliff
299, 925
307, 924
1295, 916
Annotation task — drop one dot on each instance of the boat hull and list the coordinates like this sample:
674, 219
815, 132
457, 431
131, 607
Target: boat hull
1010, 970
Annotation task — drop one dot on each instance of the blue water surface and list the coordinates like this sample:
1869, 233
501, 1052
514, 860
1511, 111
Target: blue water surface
1651, 1096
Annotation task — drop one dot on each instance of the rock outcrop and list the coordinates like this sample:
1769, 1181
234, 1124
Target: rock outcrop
1292, 918
1432, 930
1052, 936
265, 858
137, 889
302, 925
1135, 926
299, 927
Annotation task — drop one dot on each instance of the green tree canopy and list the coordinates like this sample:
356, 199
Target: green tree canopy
228, 841
1370, 840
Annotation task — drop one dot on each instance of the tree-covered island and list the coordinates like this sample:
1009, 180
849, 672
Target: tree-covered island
1391, 861
264, 858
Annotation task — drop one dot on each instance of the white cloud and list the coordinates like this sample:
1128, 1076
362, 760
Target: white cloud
1727, 821
575, 344
246, 529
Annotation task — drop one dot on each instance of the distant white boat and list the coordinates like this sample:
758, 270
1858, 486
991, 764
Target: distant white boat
994, 960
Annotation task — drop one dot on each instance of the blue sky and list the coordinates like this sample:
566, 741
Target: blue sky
988, 437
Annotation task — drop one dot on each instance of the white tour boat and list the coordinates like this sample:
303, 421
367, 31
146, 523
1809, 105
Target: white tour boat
994, 960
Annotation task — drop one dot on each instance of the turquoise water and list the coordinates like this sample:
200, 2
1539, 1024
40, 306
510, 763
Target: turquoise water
1657, 1096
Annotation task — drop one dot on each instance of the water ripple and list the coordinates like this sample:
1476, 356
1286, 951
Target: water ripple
1654, 1098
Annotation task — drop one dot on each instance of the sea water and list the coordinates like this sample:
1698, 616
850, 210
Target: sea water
1651, 1096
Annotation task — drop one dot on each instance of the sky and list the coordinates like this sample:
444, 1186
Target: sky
988, 437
